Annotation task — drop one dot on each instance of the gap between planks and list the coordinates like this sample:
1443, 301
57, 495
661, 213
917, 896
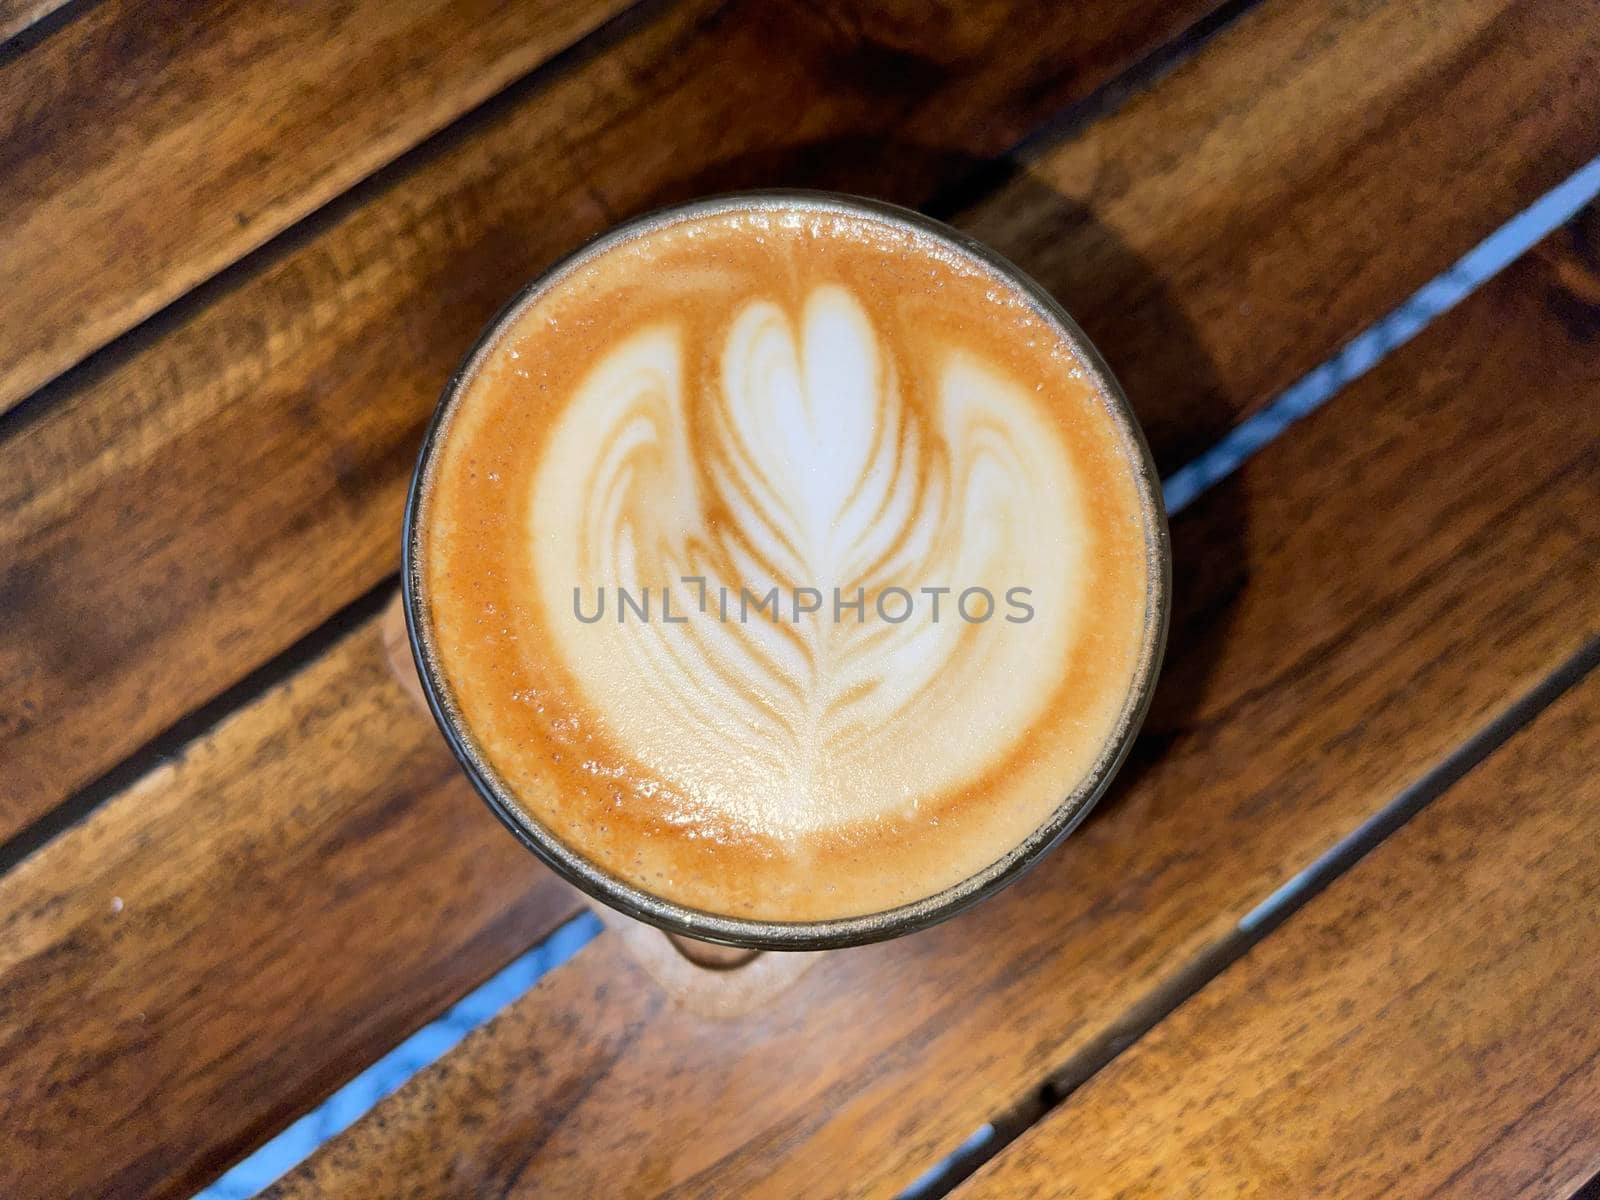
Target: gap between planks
979, 181
964, 192
26, 23
96, 362
1148, 1012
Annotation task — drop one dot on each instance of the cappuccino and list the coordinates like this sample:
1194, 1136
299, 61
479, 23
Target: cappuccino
786, 561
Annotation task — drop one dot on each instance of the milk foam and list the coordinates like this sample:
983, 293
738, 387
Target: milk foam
790, 456
767, 397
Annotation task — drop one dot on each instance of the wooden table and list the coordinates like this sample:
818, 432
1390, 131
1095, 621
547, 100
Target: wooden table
241, 246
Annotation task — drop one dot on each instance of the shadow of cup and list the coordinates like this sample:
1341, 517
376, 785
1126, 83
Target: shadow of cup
1123, 304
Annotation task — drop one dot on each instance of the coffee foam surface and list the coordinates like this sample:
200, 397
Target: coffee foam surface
749, 406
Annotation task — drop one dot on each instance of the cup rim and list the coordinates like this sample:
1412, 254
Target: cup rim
841, 931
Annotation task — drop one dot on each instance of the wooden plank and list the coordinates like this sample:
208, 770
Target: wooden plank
281, 420
173, 1138
1425, 1028
185, 1111
216, 125
1293, 185
183, 512
1363, 596
330, 509
244, 929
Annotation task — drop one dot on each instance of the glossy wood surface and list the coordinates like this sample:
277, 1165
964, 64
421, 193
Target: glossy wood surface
1338, 632
189, 507
241, 247
1425, 1028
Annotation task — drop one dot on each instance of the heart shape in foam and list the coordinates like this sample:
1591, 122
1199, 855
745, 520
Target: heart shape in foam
808, 451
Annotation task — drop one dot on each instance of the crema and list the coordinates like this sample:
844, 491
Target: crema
785, 561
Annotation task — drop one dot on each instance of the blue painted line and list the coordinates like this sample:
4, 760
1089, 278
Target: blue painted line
1372, 345
931, 1181
423, 1048
1363, 352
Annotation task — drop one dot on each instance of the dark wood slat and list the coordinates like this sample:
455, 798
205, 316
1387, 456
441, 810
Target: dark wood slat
320, 372
146, 146
202, 503
171, 1137
168, 1037
1362, 597
1293, 185
1425, 1028
243, 930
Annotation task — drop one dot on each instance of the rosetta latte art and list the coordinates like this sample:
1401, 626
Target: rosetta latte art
807, 447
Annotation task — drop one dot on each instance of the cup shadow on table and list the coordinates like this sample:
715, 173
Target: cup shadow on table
1149, 342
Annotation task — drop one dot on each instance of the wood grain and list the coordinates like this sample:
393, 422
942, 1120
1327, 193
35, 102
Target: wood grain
190, 511
166, 1080
280, 519
1425, 1028
186, 510
215, 126
1363, 596
1293, 185
247, 927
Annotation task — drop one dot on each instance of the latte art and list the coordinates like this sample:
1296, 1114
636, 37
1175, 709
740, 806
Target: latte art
785, 563
816, 451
